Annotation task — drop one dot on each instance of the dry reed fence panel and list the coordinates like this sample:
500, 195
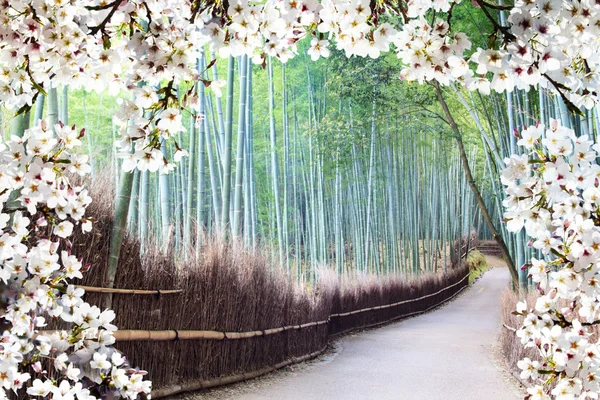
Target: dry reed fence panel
233, 351
390, 292
234, 291
231, 290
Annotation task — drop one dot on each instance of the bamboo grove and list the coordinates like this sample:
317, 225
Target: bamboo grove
336, 163
308, 163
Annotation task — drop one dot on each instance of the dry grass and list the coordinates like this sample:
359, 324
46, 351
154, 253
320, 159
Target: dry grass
512, 348
231, 289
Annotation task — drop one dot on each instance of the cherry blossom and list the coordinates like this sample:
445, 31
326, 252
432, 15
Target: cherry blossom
40, 209
150, 47
552, 192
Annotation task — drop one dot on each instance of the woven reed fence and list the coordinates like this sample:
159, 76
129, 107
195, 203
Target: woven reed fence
228, 316
293, 325
232, 318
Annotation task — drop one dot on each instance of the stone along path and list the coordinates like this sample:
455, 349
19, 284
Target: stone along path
443, 355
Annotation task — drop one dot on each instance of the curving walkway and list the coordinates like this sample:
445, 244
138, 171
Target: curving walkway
443, 355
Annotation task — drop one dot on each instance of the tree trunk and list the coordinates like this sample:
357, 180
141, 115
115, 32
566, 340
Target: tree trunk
469, 176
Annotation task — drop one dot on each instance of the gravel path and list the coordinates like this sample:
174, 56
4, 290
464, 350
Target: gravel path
443, 355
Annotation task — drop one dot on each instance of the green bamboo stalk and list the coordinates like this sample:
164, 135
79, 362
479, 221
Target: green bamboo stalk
39, 109
64, 109
239, 169
144, 208
275, 164
214, 184
19, 125
87, 130
165, 202
118, 231
226, 197
52, 114
133, 212
200, 188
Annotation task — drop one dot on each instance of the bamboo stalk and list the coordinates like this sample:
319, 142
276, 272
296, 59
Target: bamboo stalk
226, 188
239, 168
52, 113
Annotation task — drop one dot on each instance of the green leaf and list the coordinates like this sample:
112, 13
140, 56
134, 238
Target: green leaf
106, 41
26, 108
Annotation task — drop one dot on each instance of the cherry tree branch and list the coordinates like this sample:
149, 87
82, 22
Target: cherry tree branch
114, 6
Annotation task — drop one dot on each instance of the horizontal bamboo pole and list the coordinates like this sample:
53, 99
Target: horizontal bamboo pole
93, 289
397, 303
166, 335
206, 384
172, 334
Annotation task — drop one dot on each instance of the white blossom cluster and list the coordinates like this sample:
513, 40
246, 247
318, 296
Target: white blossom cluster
40, 209
554, 43
98, 45
148, 47
553, 192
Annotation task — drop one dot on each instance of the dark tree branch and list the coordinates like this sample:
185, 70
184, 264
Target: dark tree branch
465, 163
114, 6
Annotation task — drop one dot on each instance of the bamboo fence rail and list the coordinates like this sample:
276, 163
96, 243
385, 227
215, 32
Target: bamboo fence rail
226, 380
173, 334
206, 384
147, 335
159, 292
397, 303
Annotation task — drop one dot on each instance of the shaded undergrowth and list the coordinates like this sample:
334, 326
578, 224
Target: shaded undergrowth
477, 264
